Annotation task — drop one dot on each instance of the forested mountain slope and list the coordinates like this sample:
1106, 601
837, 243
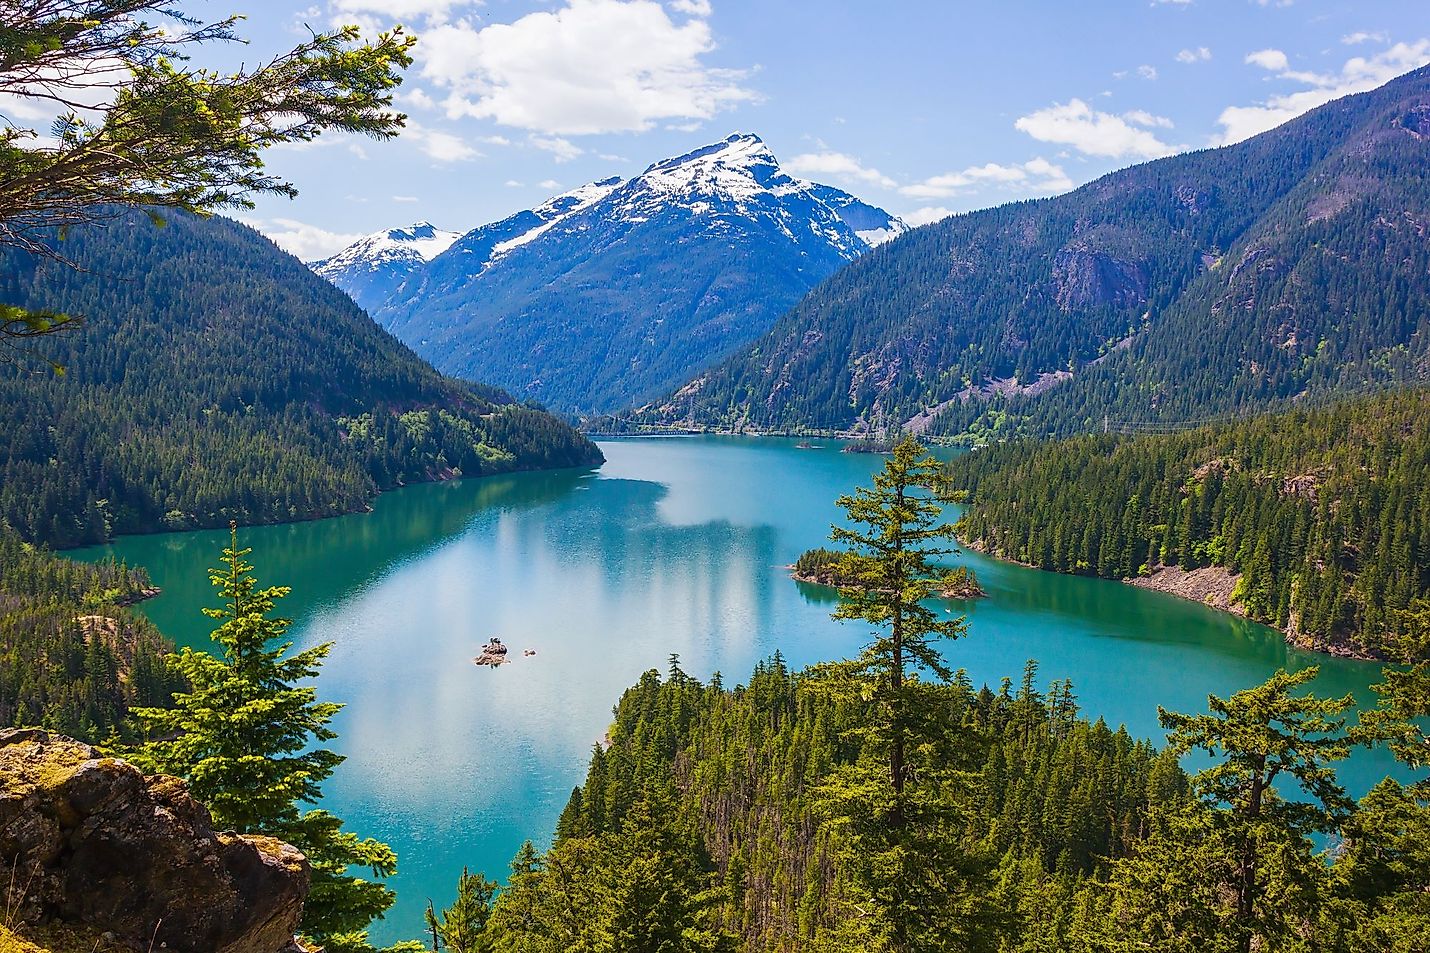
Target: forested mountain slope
1228, 278
1323, 517
619, 290
215, 378
71, 658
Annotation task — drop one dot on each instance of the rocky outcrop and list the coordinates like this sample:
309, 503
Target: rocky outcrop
1209, 585
91, 841
1083, 278
493, 653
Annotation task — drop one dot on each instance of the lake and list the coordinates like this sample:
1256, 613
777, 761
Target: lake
676, 545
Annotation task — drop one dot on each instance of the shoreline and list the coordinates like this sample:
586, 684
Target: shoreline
367, 507
854, 436
1211, 586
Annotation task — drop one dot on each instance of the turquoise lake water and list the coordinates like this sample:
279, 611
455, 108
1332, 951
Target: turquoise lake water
675, 545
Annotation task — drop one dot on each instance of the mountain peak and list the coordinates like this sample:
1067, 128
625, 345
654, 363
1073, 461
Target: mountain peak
372, 266
605, 295
741, 149
415, 232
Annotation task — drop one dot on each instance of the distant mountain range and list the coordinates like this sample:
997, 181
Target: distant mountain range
617, 291
373, 267
1291, 266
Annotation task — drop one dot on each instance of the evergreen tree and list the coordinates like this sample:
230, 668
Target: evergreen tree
886, 577
1236, 871
463, 925
245, 739
901, 857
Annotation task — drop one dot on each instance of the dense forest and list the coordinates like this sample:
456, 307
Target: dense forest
729, 819
1322, 515
725, 793
1203, 283
213, 378
72, 659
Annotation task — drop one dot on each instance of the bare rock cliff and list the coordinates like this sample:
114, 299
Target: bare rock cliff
92, 843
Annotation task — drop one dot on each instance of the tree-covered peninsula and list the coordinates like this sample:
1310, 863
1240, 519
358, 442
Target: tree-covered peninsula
1316, 520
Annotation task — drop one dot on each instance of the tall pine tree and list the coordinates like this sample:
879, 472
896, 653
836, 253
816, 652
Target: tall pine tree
245, 738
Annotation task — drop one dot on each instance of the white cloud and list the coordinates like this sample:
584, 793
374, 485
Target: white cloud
514, 184
1147, 72
308, 242
1273, 60
404, 198
563, 149
549, 184
590, 66
1357, 75
922, 216
696, 8
1035, 177
1141, 117
439, 145
837, 165
415, 98
1077, 124
1361, 36
1199, 55
402, 9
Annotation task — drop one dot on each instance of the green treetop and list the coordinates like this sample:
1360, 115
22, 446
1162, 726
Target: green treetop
462, 927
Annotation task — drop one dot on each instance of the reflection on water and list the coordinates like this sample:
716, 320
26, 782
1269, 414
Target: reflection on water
676, 545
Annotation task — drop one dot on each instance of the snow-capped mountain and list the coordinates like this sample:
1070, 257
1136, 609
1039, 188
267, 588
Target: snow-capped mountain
373, 267
872, 224
618, 290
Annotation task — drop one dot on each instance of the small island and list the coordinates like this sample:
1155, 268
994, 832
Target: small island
868, 445
821, 567
818, 567
493, 653
960, 582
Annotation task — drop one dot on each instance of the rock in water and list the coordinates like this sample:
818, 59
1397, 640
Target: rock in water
95, 842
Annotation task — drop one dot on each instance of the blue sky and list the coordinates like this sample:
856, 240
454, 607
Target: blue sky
922, 107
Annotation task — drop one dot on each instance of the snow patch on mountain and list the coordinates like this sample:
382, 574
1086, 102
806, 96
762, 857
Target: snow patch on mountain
422, 241
555, 209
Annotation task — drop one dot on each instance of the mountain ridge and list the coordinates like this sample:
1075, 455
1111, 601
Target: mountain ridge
1047, 315
614, 291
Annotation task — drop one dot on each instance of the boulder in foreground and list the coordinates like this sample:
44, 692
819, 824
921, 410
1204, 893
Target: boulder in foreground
96, 844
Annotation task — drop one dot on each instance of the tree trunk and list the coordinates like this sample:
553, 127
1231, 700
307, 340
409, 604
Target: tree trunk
1246, 886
